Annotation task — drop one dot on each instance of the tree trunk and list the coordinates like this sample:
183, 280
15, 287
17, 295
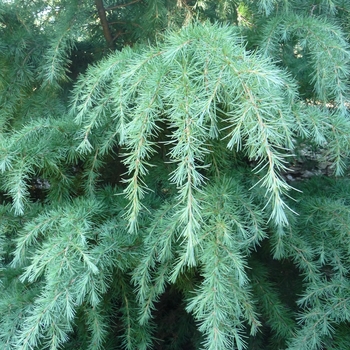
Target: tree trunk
102, 15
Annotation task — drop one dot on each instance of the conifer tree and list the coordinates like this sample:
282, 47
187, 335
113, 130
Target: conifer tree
174, 175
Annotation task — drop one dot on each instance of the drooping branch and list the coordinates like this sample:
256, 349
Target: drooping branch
103, 18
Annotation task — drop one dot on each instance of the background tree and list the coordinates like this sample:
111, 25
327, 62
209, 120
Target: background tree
174, 174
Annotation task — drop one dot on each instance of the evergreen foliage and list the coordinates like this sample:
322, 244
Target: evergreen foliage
148, 198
